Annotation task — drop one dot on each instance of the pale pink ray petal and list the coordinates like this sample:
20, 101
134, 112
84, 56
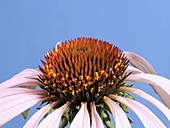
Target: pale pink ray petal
13, 91
53, 119
36, 118
133, 70
96, 120
139, 62
121, 120
19, 82
28, 73
148, 119
82, 119
11, 101
149, 98
160, 84
10, 113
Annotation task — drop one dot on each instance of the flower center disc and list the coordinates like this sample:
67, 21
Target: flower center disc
83, 70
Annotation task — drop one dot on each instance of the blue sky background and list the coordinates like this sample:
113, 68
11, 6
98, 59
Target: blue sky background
30, 28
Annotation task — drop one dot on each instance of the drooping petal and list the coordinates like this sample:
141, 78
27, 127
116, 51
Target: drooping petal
82, 119
119, 115
27, 76
133, 70
29, 73
148, 119
160, 84
14, 100
14, 91
139, 62
35, 119
96, 120
149, 98
19, 82
10, 113
53, 119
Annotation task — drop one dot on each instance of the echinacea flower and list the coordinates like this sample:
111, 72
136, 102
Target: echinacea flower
83, 82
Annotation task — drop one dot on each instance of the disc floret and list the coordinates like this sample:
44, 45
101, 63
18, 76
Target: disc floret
83, 70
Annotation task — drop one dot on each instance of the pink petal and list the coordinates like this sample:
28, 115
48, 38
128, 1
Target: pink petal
82, 119
149, 98
139, 62
96, 120
4, 93
29, 73
53, 119
19, 82
13, 91
36, 118
148, 119
160, 84
11, 101
133, 70
119, 115
10, 113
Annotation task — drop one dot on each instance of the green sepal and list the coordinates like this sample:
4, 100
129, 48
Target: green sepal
105, 117
128, 85
128, 95
130, 120
72, 114
125, 94
124, 107
25, 113
64, 122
